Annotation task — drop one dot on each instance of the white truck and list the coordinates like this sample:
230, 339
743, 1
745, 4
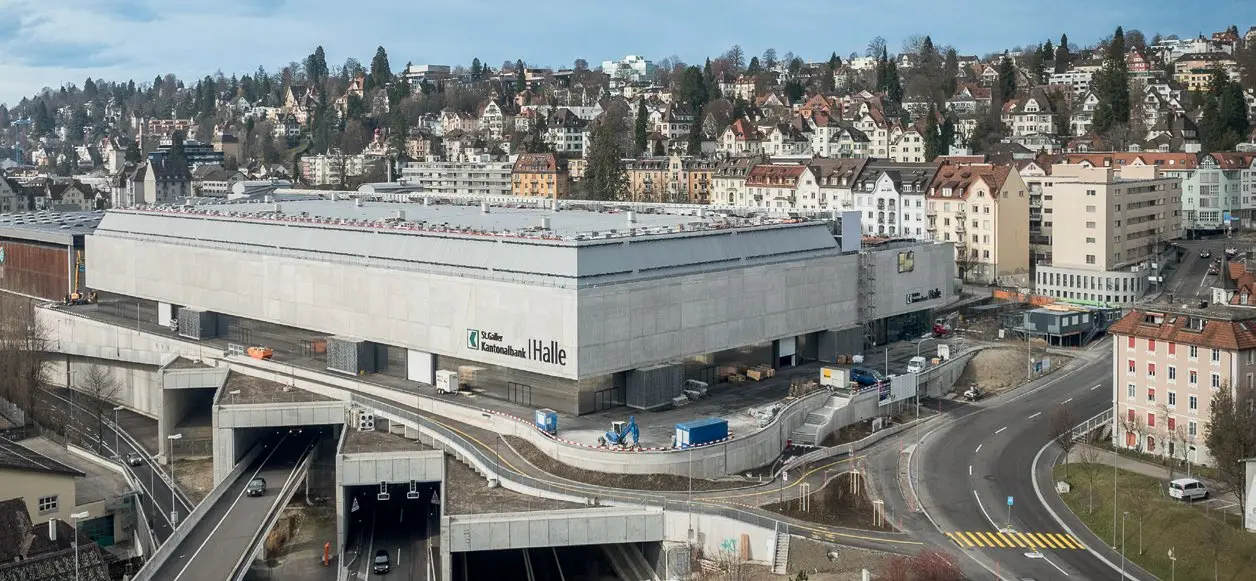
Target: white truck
446, 381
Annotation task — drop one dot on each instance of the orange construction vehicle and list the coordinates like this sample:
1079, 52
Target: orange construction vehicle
260, 352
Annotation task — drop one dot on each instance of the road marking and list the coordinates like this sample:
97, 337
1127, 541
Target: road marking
1095, 387
983, 510
1044, 558
970, 469
979, 448
1066, 401
1000, 430
1014, 540
1035, 415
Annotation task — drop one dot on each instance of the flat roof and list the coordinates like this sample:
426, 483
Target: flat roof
49, 226
367, 442
255, 390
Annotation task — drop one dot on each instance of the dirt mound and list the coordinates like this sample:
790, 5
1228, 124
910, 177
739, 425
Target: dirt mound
1000, 369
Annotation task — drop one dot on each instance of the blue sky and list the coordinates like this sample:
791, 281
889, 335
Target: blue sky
45, 43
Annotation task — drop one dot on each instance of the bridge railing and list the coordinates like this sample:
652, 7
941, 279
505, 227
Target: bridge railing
1085, 428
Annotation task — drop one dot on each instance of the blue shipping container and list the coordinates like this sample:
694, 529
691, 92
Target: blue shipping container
700, 432
547, 421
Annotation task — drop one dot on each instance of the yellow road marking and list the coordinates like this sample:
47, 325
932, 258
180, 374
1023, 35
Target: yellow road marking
1012, 540
1047, 540
1027, 540
972, 538
998, 541
1063, 540
1076, 542
957, 538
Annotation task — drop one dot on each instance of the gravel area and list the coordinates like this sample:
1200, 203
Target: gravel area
468, 493
196, 477
847, 564
835, 504
627, 481
997, 370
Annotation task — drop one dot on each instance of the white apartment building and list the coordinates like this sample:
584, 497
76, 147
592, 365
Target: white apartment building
984, 210
632, 68
1109, 225
331, 169
1079, 81
890, 197
481, 176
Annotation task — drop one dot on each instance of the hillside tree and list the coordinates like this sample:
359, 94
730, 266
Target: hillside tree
1231, 436
1063, 58
1112, 87
380, 74
1007, 79
641, 127
604, 176
1225, 121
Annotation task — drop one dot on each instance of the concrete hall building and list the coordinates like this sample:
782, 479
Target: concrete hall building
540, 306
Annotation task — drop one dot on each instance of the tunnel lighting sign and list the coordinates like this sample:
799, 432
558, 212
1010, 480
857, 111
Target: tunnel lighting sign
534, 349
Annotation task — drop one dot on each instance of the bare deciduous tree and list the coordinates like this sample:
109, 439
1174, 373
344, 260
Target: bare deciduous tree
23, 354
731, 566
1090, 466
926, 566
102, 390
1062, 424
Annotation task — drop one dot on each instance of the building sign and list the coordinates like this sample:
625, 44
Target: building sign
919, 297
906, 261
533, 349
1, 255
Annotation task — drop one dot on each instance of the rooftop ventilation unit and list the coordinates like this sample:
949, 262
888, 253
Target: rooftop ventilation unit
632, 217
357, 202
483, 207
399, 214
545, 223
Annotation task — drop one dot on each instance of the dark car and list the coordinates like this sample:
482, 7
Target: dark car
256, 487
381, 565
865, 376
133, 459
1205, 254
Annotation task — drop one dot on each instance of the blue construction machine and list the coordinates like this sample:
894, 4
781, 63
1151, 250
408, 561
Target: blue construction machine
619, 434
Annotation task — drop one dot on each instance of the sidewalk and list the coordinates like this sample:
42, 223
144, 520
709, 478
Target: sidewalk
1227, 502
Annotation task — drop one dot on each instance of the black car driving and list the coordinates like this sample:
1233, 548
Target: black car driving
381, 564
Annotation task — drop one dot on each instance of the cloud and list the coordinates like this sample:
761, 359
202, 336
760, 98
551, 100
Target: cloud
67, 54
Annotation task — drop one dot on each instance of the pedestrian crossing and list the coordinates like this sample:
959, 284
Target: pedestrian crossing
1015, 540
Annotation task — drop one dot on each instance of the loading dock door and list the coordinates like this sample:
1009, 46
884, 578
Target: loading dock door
419, 367
786, 351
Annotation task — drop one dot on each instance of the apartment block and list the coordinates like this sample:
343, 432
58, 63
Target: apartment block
482, 176
984, 210
1169, 361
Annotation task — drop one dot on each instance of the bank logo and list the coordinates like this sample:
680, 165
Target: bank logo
1, 255
473, 339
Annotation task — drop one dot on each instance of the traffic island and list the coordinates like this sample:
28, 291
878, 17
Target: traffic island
1157, 526
842, 502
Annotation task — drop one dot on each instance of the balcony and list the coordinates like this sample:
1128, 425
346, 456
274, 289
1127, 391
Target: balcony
960, 226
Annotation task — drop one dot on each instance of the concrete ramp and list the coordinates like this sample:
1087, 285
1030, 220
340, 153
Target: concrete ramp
629, 563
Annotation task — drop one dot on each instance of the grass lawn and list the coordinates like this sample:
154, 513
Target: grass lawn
1192, 532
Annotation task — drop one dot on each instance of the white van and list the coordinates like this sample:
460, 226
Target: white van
916, 365
1187, 489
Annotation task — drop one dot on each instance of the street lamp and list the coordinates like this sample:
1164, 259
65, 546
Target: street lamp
75, 517
173, 483
117, 449
233, 393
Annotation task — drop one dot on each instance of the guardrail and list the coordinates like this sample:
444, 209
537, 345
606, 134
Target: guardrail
241, 568
181, 531
1081, 430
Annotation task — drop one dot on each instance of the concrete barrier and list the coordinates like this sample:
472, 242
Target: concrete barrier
163, 553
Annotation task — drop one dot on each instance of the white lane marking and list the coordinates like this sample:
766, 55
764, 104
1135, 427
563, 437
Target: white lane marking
1000, 429
228, 513
1035, 415
970, 469
1095, 387
1044, 558
1066, 401
978, 448
983, 511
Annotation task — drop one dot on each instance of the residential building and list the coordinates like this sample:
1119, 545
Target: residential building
194, 152
158, 128
1194, 71
632, 68
741, 137
331, 169
673, 121
451, 121
784, 139
228, 144
481, 176
832, 137
782, 187
1109, 226
31, 551
566, 133
1083, 116
492, 120
1035, 174
890, 196
1078, 81
837, 178
158, 181
540, 175
419, 75
984, 210
729, 179
647, 179
1169, 361
213, 181
907, 144
1031, 116
697, 174
66, 196
969, 99
11, 197
1172, 49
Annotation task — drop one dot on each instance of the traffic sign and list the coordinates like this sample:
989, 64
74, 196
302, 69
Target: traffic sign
1009, 501
354, 508
435, 497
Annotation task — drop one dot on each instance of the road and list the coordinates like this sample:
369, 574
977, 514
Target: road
975, 478
216, 543
153, 480
403, 528
1190, 279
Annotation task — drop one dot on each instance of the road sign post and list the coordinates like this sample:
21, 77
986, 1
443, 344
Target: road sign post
1009, 511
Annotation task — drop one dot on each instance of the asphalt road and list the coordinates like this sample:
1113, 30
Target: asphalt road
152, 478
217, 542
971, 467
404, 528
1190, 279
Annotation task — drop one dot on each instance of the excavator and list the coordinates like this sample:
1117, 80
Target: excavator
619, 434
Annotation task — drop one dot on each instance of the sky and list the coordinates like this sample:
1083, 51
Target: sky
47, 43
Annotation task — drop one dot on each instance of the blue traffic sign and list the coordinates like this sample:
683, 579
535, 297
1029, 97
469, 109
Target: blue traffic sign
1009, 501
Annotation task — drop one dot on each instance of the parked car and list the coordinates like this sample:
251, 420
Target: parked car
1205, 254
133, 459
1187, 489
865, 376
381, 564
256, 487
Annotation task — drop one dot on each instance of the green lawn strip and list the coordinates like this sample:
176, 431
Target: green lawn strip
1191, 531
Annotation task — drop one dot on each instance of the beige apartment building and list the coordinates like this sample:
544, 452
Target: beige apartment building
1168, 362
984, 210
1108, 227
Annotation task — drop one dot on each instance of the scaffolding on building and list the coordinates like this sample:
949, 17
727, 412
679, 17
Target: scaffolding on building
867, 297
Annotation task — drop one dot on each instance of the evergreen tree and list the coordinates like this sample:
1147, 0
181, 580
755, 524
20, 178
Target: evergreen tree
604, 176
535, 142
477, 69
1062, 55
4, 116
753, 68
1007, 79
89, 89
133, 154
380, 74
769, 59
835, 62
521, 76
316, 66
1225, 121
641, 131
932, 136
950, 73
946, 136
695, 132
692, 91
177, 155
1037, 67
1048, 51
1112, 87
794, 91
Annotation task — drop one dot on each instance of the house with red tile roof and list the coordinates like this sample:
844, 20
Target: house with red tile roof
984, 210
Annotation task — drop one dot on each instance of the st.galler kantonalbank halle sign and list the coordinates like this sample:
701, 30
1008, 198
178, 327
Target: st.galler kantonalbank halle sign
535, 349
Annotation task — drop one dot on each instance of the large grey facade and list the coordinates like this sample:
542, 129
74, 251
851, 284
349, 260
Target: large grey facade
561, 313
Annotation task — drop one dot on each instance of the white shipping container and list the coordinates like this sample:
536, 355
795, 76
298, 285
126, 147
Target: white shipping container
834, 377
446, 381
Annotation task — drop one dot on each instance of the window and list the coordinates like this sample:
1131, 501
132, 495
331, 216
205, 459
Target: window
1090, 225
1151, 345
1131, 416
1172, 373
1171, 422
1151, 419
1151, 370
1194, 377
1194, 351
1129, 391
1172, 349
1216, 355
1090, 259
1172, 398
1216, 380
1131, 342
47, 504
1130, 368
1191, 428
1192, 403
1151, 395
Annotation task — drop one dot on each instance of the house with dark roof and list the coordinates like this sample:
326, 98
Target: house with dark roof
30, 552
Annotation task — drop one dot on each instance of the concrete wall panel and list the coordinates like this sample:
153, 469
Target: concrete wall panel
391, 467
555, 528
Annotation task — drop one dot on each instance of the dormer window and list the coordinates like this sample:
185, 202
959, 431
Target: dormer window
1153, 319
1195, 324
